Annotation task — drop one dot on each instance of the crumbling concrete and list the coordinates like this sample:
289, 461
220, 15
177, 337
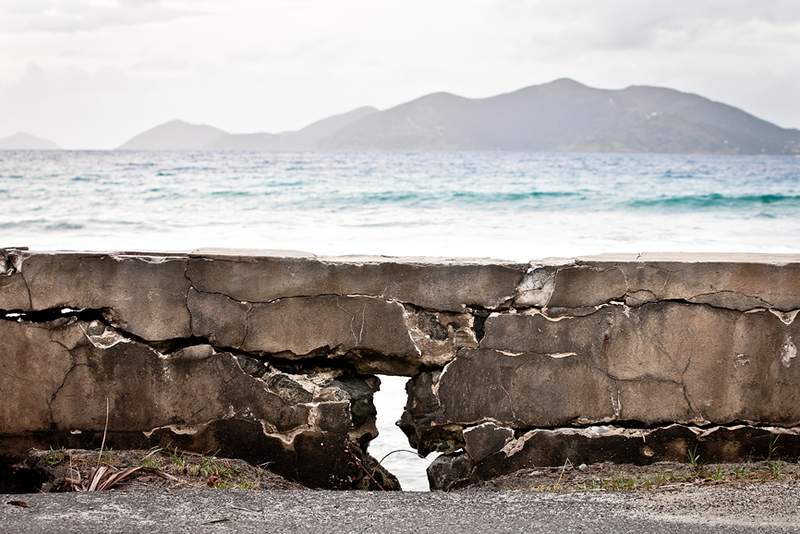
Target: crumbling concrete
69, 375
271, 357
491, 450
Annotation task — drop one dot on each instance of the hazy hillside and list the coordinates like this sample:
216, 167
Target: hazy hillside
304, 139
176, 135
24, 141
563, 116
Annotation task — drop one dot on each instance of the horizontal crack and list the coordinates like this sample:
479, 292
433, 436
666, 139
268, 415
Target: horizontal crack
634, 425
327, 357
565, 312
52, 314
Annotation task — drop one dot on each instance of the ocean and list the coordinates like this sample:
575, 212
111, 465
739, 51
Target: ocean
508, 205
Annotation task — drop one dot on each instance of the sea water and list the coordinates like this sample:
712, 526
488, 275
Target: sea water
506, 205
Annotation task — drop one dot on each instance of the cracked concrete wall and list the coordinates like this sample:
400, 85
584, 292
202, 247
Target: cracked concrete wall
510, 364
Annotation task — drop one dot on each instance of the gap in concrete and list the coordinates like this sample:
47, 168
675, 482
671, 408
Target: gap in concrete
408, 467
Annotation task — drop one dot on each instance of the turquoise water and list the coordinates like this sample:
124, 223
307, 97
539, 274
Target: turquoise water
506, 205
511, 205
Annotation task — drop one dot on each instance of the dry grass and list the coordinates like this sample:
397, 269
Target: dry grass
659, 476
85, 470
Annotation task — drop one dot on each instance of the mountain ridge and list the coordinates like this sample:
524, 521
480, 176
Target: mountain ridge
26, 141
562, 115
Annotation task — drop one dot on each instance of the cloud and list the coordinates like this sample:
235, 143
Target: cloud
69, 16
248, 65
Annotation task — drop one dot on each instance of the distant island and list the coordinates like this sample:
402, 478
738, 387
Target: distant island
560, 116
25, 141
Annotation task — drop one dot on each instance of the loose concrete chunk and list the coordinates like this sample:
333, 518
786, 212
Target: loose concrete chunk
482, 440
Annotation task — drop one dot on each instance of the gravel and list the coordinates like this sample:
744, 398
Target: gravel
768, 507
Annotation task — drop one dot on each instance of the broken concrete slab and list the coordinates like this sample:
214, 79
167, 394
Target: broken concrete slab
656, 364
704, 364
739, 282
145, 295
375, 335
429, 283
333, 325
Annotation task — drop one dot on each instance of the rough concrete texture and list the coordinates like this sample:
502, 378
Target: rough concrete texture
272, 355
655, 364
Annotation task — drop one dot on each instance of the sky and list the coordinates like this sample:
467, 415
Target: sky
93, 73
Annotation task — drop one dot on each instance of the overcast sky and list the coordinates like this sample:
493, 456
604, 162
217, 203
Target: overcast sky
92, 73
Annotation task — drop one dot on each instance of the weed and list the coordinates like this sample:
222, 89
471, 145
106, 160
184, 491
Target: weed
107, 457
775, 469
693, 458
55, 457
718, 474
620, 483
207, 467
150, 462
218, 482
772, 446
178, 461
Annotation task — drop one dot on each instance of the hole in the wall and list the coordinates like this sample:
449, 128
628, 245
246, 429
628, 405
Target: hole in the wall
407, 467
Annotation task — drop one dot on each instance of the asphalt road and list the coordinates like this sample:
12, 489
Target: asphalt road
729, 509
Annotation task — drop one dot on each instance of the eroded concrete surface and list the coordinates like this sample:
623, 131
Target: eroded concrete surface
271, 357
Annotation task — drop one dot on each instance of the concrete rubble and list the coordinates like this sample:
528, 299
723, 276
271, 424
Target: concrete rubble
272, 357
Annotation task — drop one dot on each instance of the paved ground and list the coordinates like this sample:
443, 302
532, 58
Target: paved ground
728, 509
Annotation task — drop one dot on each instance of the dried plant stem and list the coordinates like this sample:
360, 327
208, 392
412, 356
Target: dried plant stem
103, 443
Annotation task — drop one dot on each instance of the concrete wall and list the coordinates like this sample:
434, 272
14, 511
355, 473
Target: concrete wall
271, 357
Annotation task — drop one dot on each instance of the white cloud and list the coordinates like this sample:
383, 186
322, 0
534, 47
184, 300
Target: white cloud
69, 16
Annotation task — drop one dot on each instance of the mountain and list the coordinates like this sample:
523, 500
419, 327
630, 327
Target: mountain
24, 141
303, 139
567, 116
559, 116
176, 135
180, 135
